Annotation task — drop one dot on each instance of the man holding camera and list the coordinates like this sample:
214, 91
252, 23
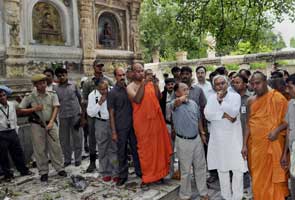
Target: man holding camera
153, 142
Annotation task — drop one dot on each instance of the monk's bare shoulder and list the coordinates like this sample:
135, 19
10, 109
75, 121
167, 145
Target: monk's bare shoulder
132, 89
251, 100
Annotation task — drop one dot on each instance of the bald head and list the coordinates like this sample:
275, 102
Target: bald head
136, 66
181, 89
138, 72
259, 83
259, 75
119, 73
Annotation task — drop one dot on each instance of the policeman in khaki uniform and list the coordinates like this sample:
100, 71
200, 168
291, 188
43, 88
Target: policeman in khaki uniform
43, 105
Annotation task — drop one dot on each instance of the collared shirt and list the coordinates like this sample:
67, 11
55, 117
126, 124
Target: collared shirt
68, 95
196, 94
290, 118
185, 119
48, 100
93, 107
118, 101
207, 88
9, 111
243, 110
89, 86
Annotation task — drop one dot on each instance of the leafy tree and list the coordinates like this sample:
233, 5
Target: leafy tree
292, 42
237, 26
233, 21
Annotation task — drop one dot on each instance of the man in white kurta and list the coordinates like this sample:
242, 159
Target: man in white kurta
226, 139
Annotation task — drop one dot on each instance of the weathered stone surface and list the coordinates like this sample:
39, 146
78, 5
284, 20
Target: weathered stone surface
30, 188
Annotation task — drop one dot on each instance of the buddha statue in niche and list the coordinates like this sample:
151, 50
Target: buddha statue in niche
106, 36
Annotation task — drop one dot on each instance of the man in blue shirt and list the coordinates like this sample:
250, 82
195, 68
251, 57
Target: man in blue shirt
189, 147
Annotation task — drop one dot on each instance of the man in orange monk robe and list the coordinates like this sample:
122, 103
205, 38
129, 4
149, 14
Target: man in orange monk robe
153, 142
264, 141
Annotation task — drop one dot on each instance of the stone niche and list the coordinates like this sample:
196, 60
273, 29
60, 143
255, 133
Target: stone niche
115, 32
47, 25
111, 28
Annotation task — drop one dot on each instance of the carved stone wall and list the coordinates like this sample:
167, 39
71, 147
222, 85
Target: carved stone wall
42, 33
47, 28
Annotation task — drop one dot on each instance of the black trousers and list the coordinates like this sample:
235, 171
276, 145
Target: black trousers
9, 143
126, 137
91, 138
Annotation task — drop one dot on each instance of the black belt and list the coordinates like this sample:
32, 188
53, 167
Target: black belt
187, 138
100, 119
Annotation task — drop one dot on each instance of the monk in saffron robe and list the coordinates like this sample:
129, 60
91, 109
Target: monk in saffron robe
264, 141
153, 141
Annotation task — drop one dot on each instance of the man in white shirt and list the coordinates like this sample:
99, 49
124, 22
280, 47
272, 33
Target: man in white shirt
107, 148
202, 82
9, 141
226, 139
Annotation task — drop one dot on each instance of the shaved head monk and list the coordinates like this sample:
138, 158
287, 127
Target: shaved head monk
264, 140
153, 141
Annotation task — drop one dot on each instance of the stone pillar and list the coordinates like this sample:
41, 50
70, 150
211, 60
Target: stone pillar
134, 33
181, 56
87, 35
15, 61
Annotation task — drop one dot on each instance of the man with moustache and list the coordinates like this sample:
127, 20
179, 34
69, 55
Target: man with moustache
120, 109
154, 147
202, 82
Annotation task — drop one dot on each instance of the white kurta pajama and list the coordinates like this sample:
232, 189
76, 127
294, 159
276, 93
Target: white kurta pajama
225, 144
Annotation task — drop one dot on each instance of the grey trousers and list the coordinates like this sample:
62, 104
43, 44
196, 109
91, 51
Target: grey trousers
68, 132
172, 159
191, 153
107, 149
42, 145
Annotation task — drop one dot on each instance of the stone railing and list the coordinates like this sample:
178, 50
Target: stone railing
242, 60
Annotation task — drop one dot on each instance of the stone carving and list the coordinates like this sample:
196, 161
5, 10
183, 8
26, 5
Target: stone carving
12, 18
14, 34
67, 3
108, 31
47, 25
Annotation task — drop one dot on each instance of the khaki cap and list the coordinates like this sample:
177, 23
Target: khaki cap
38, 77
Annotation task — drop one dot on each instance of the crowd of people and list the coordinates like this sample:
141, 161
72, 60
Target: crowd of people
233, 125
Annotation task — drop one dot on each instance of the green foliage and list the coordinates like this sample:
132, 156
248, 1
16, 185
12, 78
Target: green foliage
232, 67
283, 62
238, 26
258, 65
268, 42
292, 42
233, 21
210, 68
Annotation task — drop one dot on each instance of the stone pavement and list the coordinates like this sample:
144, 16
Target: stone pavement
30, 188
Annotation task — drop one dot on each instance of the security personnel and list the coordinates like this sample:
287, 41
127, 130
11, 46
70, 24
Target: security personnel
43, 106
9, 141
